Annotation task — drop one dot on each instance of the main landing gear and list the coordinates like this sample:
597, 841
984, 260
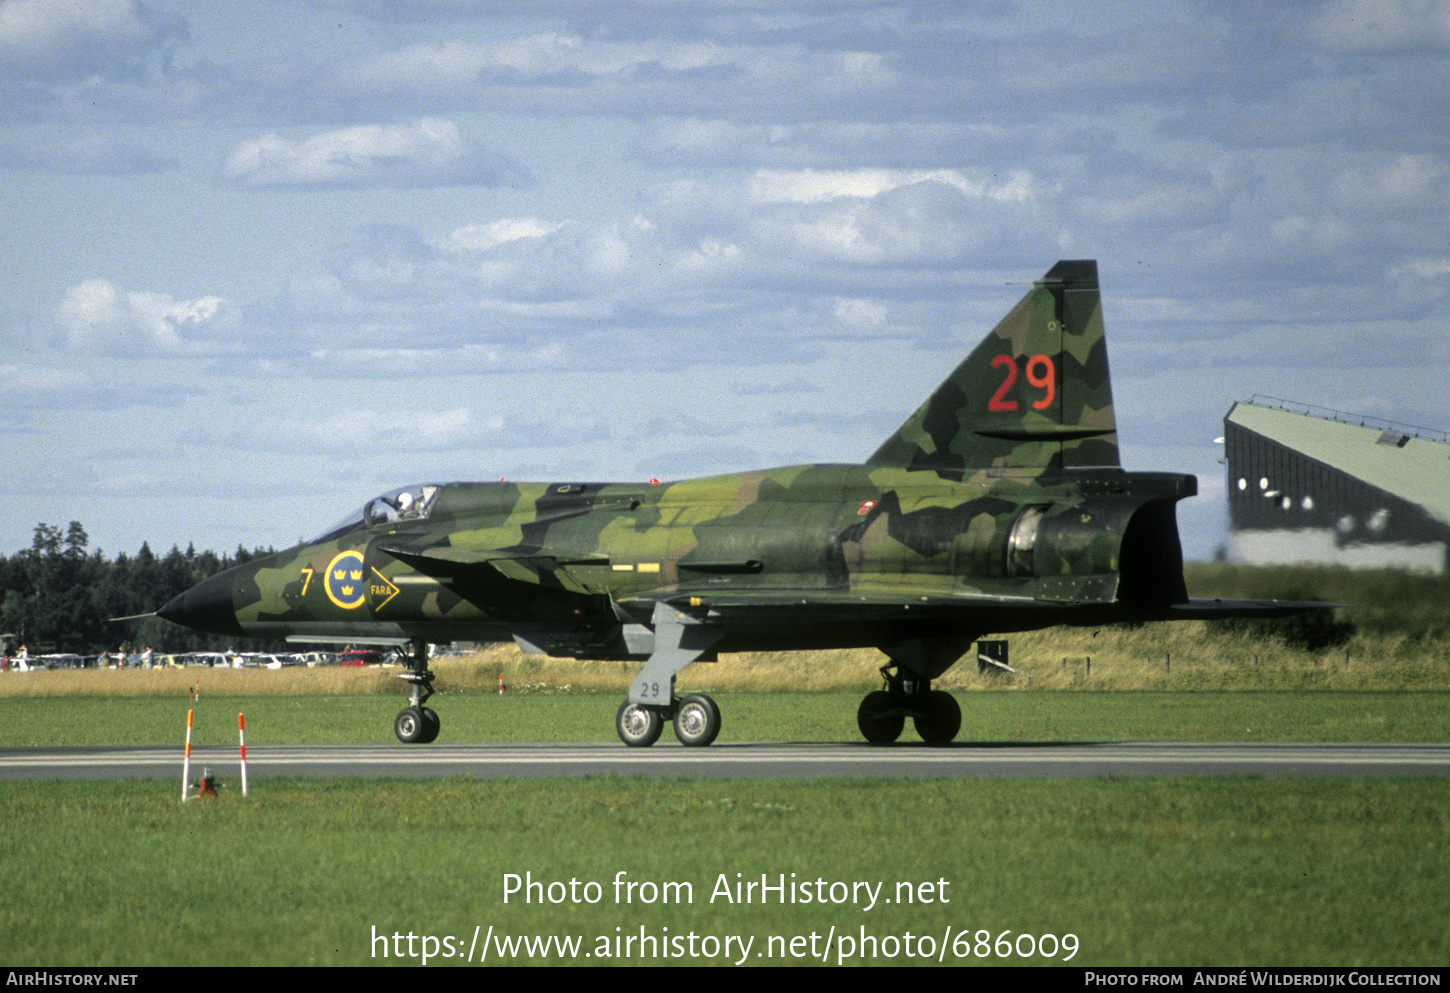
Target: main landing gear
883, 713
696, 719
417, 724
680, 638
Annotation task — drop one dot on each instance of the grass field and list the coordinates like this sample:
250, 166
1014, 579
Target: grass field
1139, 872
1158, 872
1049, 715
1222, 872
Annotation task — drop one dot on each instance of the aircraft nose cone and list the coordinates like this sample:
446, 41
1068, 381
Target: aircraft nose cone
207, 606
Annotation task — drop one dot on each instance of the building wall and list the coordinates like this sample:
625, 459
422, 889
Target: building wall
1287, 507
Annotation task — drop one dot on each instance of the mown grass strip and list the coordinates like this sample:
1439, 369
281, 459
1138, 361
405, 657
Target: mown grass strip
814, 717
1166, 872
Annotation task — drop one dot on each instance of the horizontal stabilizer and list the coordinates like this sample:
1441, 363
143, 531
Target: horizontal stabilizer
1203, 608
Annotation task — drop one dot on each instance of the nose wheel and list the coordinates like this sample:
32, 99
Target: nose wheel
415, 723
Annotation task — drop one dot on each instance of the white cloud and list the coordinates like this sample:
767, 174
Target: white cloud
548, 57
352, 427
1398, 183
550, 54
678, 64
408, 427
98, 316
1424, 279
860, 315
1310, 235
42, 24
914, 143
812, 255
70, 39
875, 222
482, 237
470, 358
429, 153
817, 185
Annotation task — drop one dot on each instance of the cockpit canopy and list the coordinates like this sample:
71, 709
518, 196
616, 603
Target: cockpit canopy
406, 503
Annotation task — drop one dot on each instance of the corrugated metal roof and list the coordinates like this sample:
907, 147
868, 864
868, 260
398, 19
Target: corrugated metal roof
1415, 469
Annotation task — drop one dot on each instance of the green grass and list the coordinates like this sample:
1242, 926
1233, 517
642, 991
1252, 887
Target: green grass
1381, 601
1159, 872
1045, 715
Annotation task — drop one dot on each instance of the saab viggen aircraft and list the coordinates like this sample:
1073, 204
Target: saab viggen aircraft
999, 506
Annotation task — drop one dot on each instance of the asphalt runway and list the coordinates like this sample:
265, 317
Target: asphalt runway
760, 761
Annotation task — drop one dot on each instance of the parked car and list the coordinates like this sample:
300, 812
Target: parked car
314, 659
214, 659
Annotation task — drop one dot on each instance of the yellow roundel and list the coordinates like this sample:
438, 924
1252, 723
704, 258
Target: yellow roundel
345, 580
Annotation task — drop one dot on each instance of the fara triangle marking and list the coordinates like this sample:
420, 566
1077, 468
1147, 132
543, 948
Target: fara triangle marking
382, 587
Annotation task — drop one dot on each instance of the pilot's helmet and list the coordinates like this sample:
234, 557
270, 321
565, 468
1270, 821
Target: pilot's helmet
405, 501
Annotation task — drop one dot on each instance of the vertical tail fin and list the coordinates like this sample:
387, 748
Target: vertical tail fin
1034, 395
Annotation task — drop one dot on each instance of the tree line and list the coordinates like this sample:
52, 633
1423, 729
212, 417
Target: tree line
57, 596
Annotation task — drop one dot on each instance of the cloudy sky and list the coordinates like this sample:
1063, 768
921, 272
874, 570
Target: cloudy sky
263, 260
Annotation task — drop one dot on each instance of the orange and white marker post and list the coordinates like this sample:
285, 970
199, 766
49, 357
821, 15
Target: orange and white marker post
186, 761
242, 742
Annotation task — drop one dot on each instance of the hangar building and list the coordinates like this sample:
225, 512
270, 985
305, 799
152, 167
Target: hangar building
1309, 484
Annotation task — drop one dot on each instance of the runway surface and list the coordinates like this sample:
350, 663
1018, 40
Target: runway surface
799, 761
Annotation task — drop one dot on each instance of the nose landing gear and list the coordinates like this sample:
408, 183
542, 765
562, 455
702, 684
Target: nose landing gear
417, 724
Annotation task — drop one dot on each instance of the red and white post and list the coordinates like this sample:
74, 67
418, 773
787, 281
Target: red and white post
242, 742
186, 761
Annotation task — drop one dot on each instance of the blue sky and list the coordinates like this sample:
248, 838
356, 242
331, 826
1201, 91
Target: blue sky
263, 260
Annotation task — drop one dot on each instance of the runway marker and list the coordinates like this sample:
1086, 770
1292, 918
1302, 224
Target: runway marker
242, 743
186, 761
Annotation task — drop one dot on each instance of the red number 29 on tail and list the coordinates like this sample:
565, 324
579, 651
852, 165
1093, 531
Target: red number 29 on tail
1041, 374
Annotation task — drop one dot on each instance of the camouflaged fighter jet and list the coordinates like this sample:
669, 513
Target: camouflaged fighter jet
999, 506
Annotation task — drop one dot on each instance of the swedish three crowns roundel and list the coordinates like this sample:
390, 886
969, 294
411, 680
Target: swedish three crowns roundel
345, 579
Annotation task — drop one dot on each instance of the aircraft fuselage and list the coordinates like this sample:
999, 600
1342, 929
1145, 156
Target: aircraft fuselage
861, 545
